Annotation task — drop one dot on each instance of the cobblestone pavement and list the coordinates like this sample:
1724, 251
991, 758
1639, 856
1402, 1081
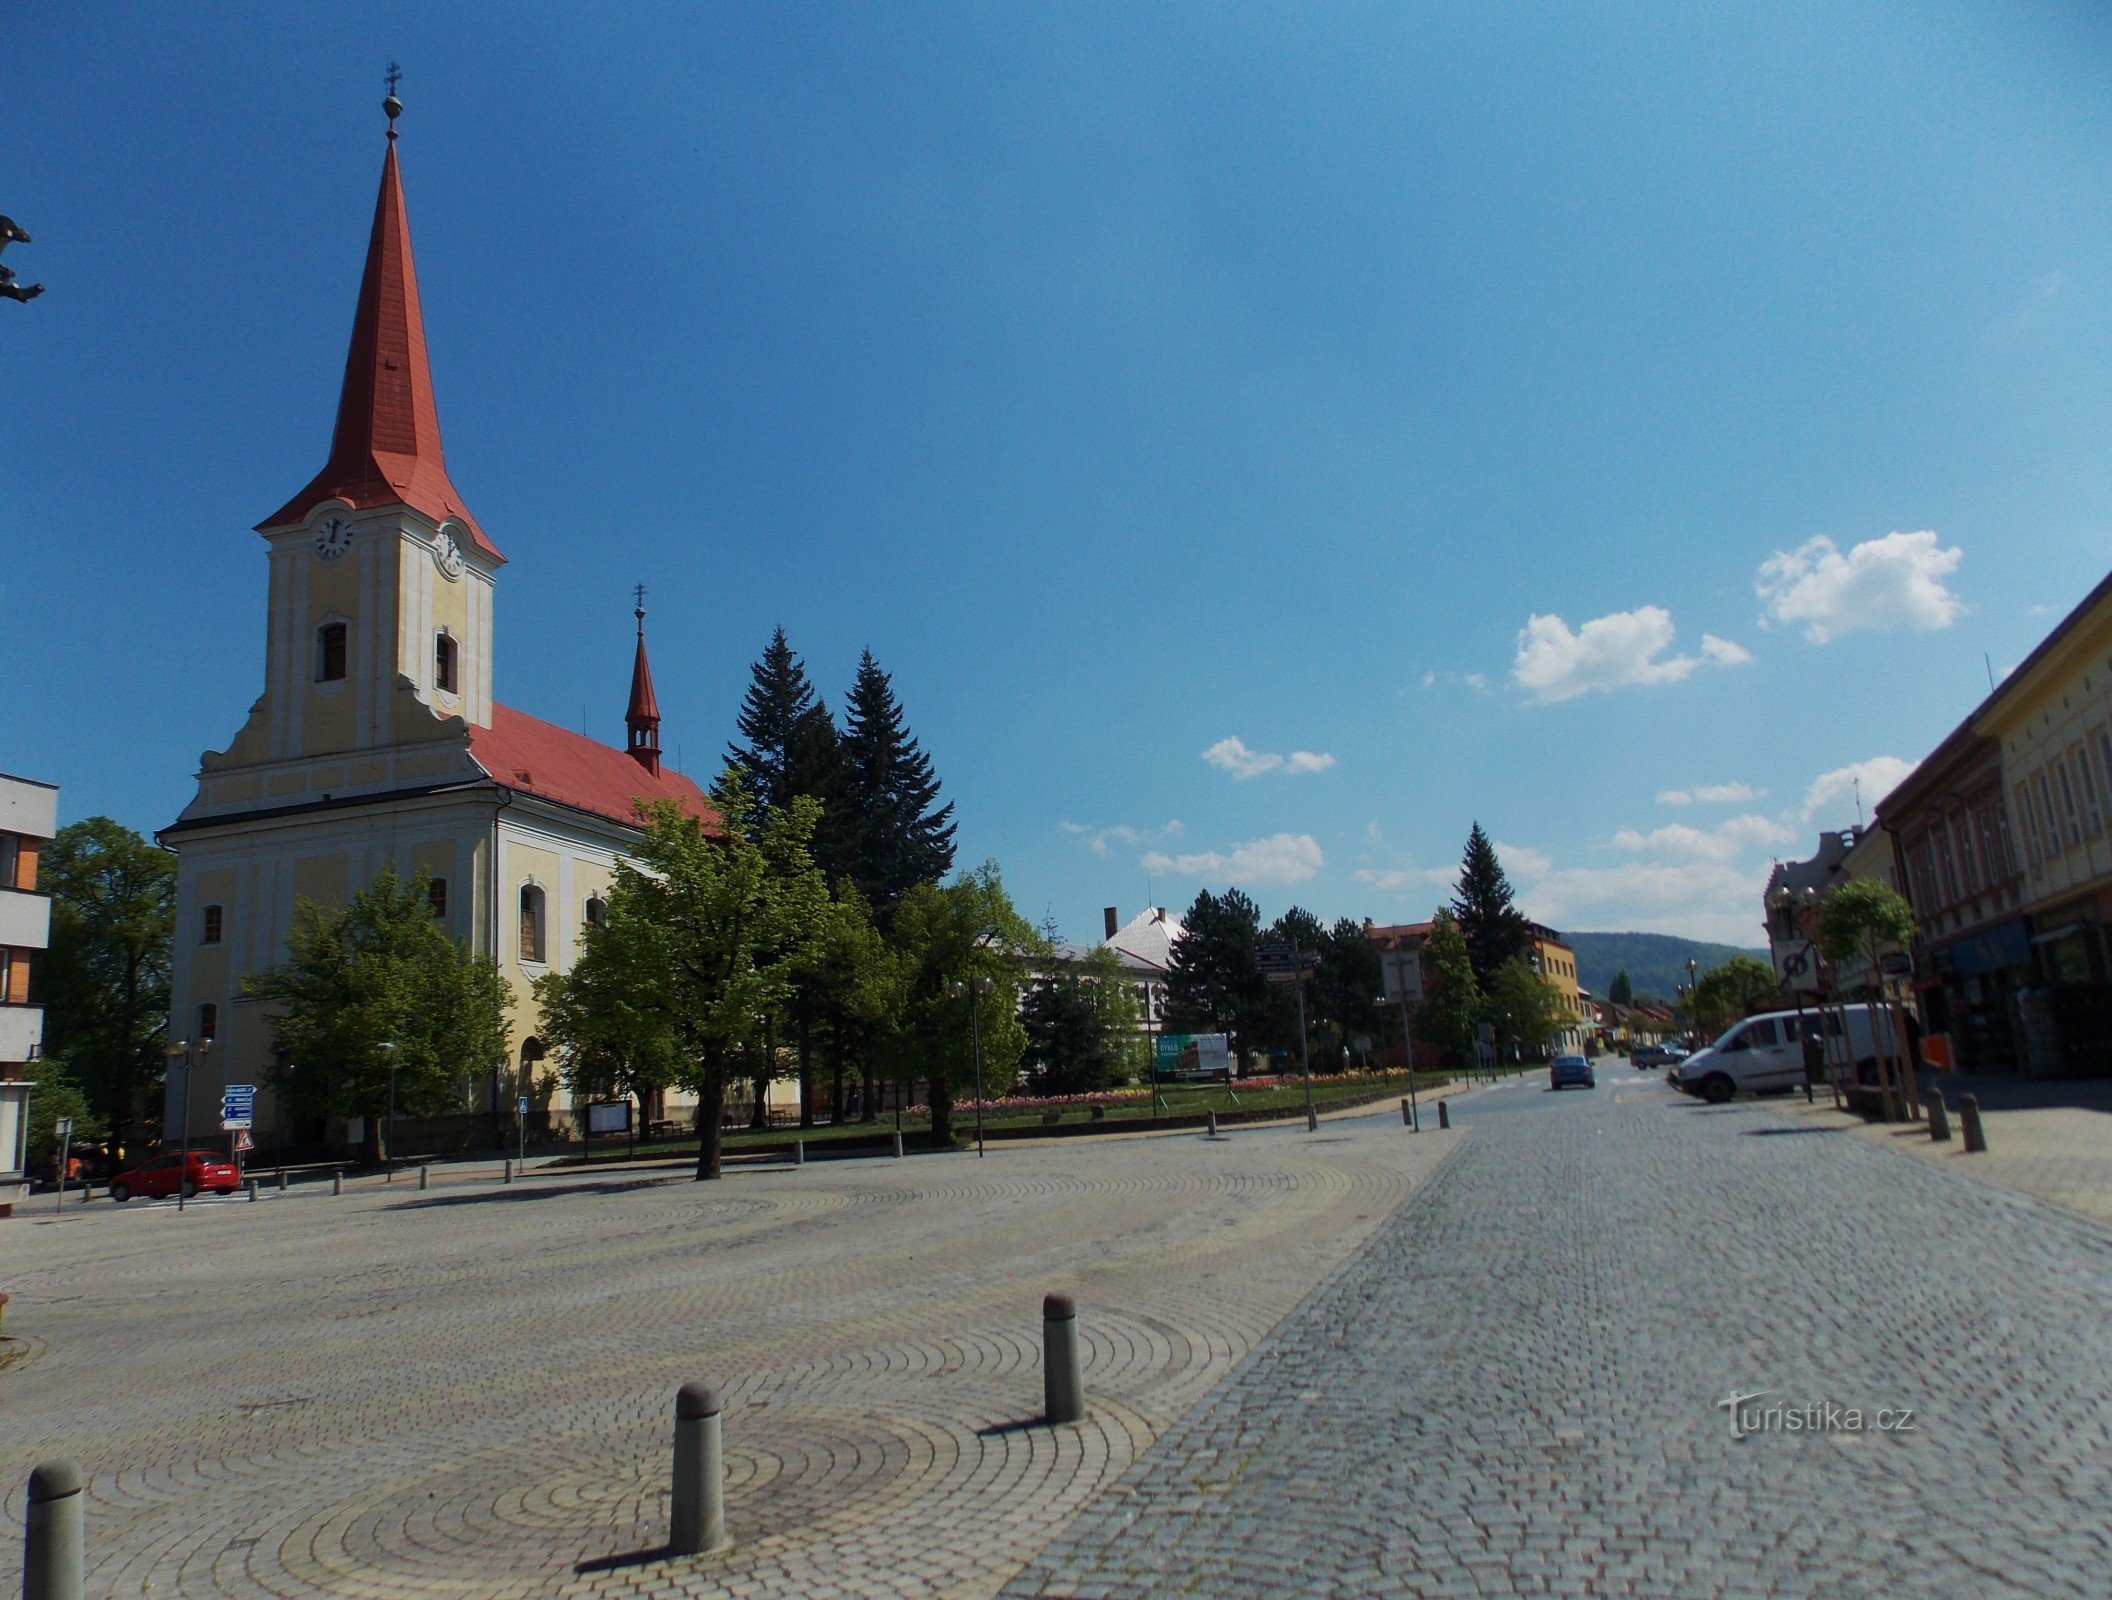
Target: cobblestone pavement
1514, 1388
469, 1391
2035, 1142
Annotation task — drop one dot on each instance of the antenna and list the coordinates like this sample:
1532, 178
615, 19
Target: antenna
1990, 660
1858, 801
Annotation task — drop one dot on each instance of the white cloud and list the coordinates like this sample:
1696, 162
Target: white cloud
1715, 900
1832, 797
1721, 843
1522, 860
1896, 581
1471, 680
1393, 880
1616, 651
1710, 794
1096, 839
1232, 755
1280, 859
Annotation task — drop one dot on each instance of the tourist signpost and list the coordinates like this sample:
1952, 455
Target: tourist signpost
1286, 963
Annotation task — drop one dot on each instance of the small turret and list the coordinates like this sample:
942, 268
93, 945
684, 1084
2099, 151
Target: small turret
643, 718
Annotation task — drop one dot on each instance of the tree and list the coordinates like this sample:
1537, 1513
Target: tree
966, 932
1452, 999
1493, 927
1621, 992
898, 836
104, 982
1866, 918
1213, 985
1524, 1007
380, 973
1346, 989
1741, 986
792, 749
56, 1095
609, 1041
1081, 1025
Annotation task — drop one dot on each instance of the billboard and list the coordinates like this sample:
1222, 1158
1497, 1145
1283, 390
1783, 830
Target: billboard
1191, 1055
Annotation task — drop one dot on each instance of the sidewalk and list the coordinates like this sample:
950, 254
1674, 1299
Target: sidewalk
2049, 1139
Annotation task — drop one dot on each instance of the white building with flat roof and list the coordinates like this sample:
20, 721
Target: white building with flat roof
29, 817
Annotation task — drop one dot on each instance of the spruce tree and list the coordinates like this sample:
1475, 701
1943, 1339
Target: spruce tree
1621, 992
898, 836
1494, 928
792, 749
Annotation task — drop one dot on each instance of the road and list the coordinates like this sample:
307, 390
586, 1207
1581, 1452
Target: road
1515, 1387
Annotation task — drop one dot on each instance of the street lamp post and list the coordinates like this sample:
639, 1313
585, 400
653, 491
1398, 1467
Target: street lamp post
183, 1050
971, 991
1694, 1001
1408, 1054
388, 1047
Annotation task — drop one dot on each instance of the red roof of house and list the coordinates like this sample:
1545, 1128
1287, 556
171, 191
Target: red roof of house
386, 450
1399, 935
547, 761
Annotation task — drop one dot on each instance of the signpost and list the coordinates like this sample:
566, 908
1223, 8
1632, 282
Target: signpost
1286, 963
520, 1118
238, 1110
63, 1131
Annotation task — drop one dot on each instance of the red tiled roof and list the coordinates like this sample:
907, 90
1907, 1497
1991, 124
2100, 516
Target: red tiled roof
1399, 934
552, 763
386, 450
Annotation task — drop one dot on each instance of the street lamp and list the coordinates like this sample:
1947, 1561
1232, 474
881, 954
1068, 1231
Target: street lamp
1694, 1000
970, 991
388, 1046
1415, 1116
183, 1050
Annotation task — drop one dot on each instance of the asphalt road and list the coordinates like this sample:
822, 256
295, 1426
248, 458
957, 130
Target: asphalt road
1517, 1386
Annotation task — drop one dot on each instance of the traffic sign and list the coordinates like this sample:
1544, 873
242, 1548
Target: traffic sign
1284, 960
520, 1106
243, 1141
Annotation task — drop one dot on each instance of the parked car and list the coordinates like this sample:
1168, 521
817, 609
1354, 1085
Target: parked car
1766, 1054
1649, 1055
1566, 1070
162, 1176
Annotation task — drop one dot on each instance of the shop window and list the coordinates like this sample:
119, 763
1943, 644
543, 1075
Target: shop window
330, 653
444, 663
209, 925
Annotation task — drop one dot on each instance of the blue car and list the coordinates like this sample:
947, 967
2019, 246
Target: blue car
1566, 1070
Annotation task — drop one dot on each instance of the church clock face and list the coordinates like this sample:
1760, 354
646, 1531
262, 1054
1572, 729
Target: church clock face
449, 555
333, 539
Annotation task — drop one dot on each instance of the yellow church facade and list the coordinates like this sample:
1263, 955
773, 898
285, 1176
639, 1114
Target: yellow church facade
377, 742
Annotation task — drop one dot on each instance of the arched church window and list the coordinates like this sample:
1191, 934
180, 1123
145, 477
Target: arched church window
597, 908
444, 663
531, 923
330, 652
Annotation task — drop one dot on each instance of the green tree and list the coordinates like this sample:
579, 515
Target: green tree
1081, 1025
1865, 918
1524, 1007
1452, 999
792, 749
378, 974
57, 1095
1346, 988
965, 932
104, 983
1737, 988
1491, 924
899, 836
1621, 992
608, 1039
1213, 985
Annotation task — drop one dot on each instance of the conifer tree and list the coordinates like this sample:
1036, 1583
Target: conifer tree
1493, 927
1621, 992
792, 749
898, 836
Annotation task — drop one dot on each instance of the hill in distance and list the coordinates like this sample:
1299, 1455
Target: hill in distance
1656, 963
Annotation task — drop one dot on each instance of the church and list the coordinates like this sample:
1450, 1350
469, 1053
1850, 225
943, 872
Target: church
377, 741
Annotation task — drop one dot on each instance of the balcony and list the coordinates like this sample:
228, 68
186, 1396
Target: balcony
21, 1030
25, 920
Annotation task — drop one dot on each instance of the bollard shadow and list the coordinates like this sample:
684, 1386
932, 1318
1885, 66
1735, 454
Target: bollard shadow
1781, 1133
997, 1430
628, 1558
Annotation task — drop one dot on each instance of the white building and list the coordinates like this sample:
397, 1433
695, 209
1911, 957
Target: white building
28, 821
378, 740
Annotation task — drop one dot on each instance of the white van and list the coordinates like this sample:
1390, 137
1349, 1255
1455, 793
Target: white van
1767, 1053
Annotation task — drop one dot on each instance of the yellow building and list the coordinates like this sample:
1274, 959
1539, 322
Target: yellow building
1557, 963
377, 741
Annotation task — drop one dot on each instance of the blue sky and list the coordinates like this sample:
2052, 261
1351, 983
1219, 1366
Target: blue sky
1260, 440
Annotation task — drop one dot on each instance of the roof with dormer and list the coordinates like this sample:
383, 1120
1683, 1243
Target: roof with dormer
386, 449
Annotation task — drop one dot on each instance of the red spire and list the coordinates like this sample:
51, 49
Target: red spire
643, 718
386, 450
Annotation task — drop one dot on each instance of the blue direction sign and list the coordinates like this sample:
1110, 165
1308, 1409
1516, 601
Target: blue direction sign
238, 1106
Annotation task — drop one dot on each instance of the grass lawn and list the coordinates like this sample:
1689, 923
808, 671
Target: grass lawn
1286, 1098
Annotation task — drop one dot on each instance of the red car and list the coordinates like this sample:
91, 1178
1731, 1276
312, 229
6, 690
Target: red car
157, 1179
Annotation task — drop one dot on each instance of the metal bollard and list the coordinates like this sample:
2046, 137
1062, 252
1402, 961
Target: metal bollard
1939, 1117
799, 1152
1062, 1395
252, 1187
1969, 1120
54, 1544
1212, 1115
423, 1172
1407, 1121
1312, 1119
337, 1183
697, 1508
898, 1141
282, 1180
1444, 1115
507, 1177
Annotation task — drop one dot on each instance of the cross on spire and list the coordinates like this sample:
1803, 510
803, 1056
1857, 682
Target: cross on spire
393, 77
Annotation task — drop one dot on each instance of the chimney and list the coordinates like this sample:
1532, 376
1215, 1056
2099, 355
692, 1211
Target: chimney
1113, 920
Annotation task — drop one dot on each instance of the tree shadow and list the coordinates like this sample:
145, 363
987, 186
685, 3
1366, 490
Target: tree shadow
521, 1192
